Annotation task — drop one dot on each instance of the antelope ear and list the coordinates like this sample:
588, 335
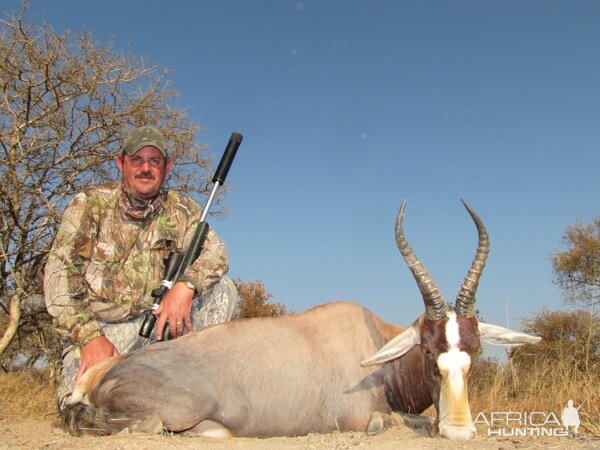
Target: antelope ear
496, 335
395, 348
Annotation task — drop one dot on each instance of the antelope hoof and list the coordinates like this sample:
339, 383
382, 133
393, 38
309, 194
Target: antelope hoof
375, 425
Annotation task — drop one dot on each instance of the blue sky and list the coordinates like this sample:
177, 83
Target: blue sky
348, 107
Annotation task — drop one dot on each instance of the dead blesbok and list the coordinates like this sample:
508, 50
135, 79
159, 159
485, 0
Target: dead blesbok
334, 367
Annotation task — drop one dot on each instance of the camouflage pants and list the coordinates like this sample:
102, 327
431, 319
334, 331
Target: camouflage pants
218, 305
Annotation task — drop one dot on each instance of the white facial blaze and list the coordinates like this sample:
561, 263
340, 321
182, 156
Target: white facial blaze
453, 361
452, 334
454, 413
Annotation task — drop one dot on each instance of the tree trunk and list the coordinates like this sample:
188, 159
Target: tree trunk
13, 323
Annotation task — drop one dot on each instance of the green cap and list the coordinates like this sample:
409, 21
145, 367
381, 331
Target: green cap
144, 137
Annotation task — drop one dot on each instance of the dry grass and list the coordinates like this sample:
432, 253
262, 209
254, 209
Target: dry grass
540, 385
26, 395
563, 366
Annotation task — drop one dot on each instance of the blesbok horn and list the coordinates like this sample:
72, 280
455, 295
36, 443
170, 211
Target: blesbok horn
465, 300
435, 306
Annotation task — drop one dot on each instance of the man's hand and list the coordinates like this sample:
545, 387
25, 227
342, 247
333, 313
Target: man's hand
95, 351
175, 309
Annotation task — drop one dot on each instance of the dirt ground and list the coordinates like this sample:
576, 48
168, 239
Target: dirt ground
38, 434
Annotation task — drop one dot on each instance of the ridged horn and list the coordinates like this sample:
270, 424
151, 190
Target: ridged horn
465, 300
435, 306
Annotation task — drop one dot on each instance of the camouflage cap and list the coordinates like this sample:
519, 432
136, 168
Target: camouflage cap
143, 137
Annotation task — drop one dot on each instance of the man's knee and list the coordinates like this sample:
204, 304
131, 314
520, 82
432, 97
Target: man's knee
216, 306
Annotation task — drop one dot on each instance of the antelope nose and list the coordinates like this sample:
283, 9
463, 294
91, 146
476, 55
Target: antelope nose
458, 433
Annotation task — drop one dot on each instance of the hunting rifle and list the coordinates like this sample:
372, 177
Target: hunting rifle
177, 263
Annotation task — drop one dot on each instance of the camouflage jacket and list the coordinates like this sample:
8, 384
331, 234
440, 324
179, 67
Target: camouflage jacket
103, 267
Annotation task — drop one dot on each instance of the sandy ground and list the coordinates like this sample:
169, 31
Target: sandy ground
38, 434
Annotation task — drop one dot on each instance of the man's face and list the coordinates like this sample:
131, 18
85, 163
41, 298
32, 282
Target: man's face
144, 172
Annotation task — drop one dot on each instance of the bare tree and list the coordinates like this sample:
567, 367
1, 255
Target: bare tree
65, 103
577, 269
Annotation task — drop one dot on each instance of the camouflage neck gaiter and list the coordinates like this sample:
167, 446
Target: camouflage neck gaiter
139, 209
